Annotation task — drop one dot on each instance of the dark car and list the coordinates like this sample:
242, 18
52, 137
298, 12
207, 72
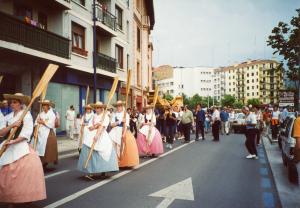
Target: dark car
288, 151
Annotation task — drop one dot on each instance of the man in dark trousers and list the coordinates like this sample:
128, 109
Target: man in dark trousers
187, 123
200, 119
216, 124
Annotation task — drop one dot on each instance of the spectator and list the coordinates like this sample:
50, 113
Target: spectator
170, 126
224, 115
207, 122
275, 122
5, 109
200, 119
216, 124
70, 121
187, 123
231, 119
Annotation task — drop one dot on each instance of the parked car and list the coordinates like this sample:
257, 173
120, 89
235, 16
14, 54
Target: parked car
288, 152
238, 123
283, 127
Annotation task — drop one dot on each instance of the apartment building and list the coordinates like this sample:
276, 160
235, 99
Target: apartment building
35, 33
254, 79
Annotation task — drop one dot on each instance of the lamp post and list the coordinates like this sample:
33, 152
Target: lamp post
94, 51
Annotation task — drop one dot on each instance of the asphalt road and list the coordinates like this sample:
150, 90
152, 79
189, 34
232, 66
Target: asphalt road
216, 175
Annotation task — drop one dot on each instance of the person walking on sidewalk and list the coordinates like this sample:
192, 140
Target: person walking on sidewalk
224, 115
251, 133
275, 122
70, 122
200, 119
187, 123
216, 124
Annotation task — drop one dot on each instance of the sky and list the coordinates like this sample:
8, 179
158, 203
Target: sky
216, 32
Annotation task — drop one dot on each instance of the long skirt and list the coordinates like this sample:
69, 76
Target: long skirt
130, 156
156, 147
51, 152
97, 164
23, 180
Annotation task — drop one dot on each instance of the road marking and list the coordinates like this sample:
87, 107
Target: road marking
57, 173
182, 190
101, 183
68, 155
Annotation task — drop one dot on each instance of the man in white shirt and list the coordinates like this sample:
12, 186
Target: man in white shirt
70, 122
216, 124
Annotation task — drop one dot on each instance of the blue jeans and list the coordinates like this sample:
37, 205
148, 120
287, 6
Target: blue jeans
207, 125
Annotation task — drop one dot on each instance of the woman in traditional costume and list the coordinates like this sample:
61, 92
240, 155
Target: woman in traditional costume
46, 144
21, 172
149, 139
104, 158
84, 124
128, 151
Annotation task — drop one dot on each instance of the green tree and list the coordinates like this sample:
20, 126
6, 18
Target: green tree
195, 100
228, 100
238, 104
168, 97
285, 40
186, 100
253, 102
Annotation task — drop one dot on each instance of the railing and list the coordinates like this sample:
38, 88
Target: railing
105, 17
14, 30
106, 63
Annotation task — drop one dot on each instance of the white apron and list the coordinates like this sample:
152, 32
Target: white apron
16, 151
145, 129
85, 120
103, 145
116, 132
44, 131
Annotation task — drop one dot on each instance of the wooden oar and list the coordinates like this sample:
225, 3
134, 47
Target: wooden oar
48, 74
153, 107
36, 130
100, 128
82, 126
125, 113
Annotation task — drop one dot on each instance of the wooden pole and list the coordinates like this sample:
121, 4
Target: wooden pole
48, 74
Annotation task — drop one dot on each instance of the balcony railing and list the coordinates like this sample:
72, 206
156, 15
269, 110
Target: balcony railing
14, 30
105, 17
106, 63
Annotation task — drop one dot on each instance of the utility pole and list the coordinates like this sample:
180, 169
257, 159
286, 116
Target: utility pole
95, 51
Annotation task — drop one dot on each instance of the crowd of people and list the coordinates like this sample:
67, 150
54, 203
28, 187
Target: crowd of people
109, 138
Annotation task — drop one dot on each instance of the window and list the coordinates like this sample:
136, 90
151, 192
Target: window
82, 2
138, 73
252, 87
119, 16
127, 28
247, 74
42, 19
247, 88
138, 38
78, 39
172, 83
248, 94
252, 80
252, 93
252, 74
119, 56
247, 81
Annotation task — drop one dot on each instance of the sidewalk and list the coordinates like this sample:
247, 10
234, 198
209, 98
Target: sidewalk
66, 146
289, 194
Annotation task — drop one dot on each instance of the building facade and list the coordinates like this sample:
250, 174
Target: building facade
257, 79
35, 33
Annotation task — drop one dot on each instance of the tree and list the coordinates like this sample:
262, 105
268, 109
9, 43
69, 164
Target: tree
285, 40
168, 97
195, 100
238, 104
228, 100
253, 102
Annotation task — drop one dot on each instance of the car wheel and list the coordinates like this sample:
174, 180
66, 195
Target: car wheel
293, 174
284, 160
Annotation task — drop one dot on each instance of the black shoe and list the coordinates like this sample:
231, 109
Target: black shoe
203, 138
227, 134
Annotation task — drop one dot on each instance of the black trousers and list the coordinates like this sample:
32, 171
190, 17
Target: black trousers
216, 130
200, 127
133, 127
251, 141
187, 131
275, 130
170, 132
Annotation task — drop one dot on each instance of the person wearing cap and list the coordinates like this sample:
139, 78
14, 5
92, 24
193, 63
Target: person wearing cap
46, 145
21, 172
128, 156
104, 158
70, 122
5, 109
149, 144
251, 133
84, 124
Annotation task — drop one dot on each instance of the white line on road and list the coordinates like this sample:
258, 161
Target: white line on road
68, 155
57, 173
101, 183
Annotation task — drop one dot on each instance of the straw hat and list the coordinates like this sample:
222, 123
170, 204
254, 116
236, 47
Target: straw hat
119, 102
88, 106
46, 102
24, 99
98, 104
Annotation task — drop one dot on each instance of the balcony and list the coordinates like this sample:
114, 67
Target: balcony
16, 31
105, 17
61, 4
106, 63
